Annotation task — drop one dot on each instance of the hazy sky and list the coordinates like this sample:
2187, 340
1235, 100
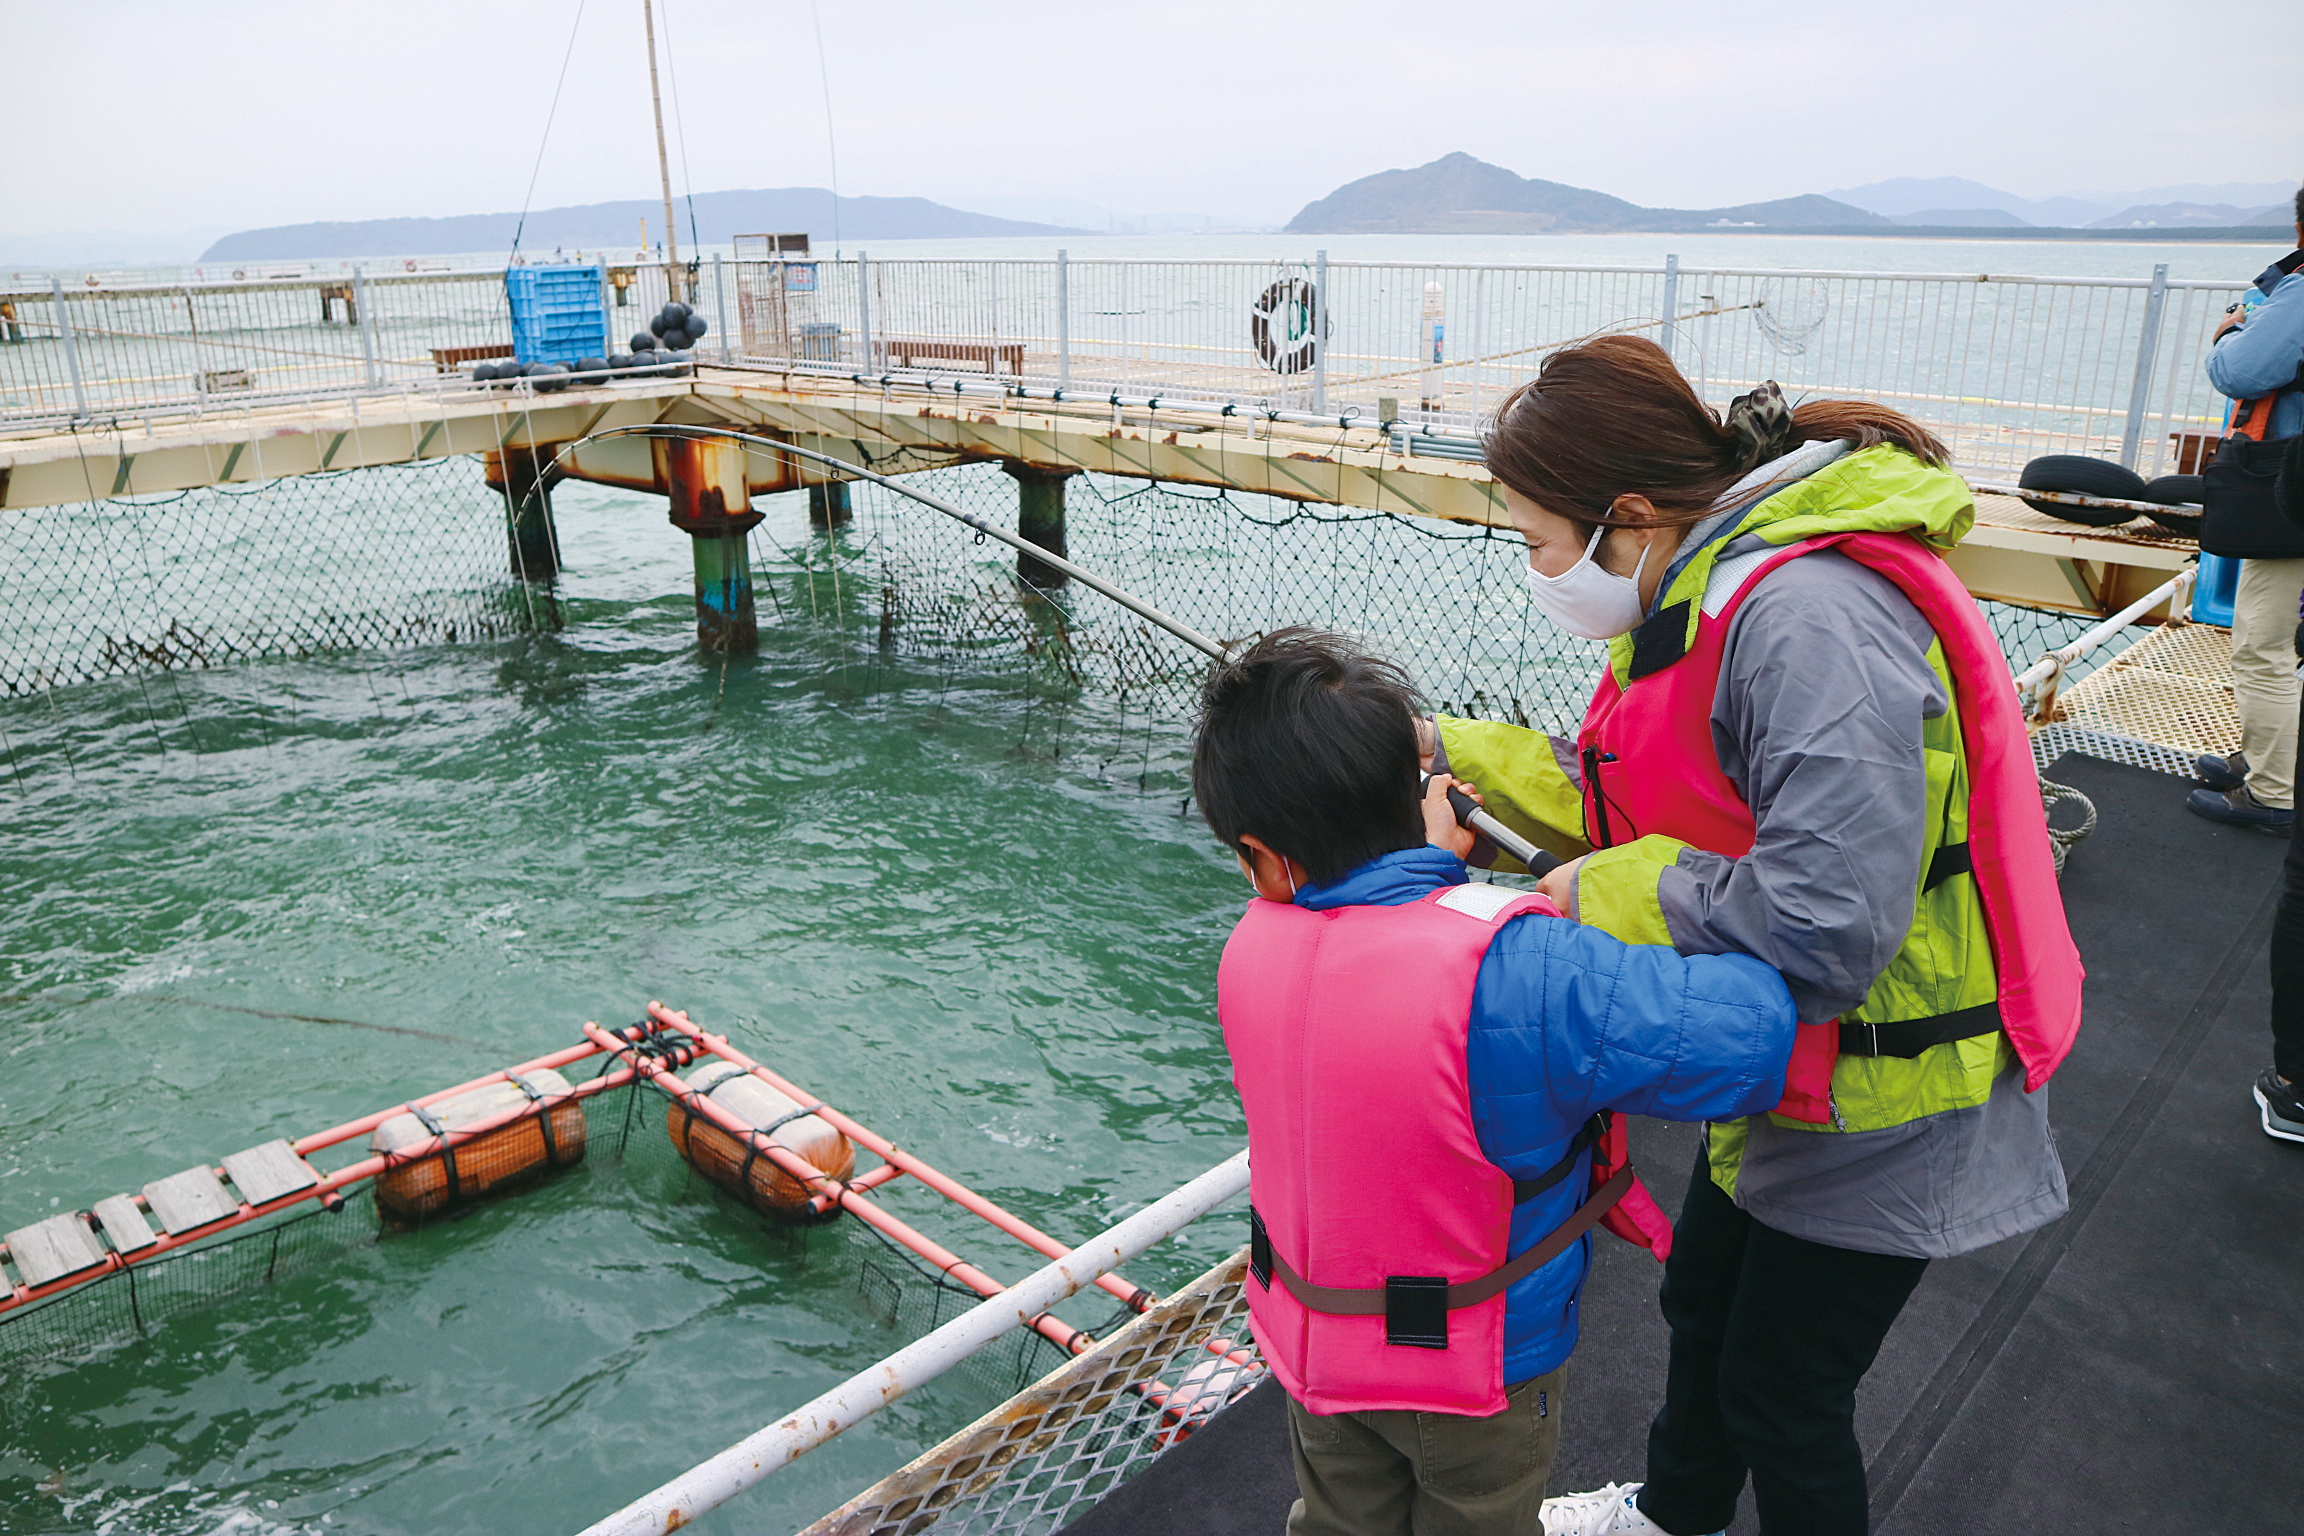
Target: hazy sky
164, 117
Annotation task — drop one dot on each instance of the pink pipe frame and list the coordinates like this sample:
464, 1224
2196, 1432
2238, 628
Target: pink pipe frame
343, 1178
846, 1195
1135, 1296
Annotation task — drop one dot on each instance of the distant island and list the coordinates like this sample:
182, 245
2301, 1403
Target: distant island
593, 226
1460, 195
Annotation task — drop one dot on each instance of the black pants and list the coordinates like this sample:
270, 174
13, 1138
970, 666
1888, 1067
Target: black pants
1770, 1335
2288, 961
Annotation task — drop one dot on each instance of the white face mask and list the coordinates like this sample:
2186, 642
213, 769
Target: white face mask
1586, 600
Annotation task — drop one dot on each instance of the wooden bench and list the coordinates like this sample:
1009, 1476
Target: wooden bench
449, 359
902, 351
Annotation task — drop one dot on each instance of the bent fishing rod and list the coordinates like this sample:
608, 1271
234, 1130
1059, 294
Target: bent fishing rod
1469, 812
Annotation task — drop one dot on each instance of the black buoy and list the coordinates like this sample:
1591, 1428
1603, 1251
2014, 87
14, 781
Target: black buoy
483, 373
642, 341
676, 313
551, 378
677, 340
589, 369
658, 324
696, 329
620, 360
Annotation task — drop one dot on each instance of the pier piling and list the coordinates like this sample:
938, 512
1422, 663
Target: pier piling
1039, 518
710, 502
828, 505
524, 476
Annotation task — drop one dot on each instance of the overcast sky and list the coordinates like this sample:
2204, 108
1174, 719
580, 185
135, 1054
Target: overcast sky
165, 117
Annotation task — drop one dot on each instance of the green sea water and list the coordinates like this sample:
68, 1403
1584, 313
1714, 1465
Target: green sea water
965, 909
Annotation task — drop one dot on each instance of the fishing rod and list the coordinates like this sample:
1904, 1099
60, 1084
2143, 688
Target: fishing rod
1470, 813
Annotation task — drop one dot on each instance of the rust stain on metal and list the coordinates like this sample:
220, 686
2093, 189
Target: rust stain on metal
673, 1520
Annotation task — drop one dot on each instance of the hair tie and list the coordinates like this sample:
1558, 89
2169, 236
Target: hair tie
1763, 427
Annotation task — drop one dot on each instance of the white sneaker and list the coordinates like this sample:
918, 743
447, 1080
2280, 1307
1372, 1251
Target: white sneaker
1605, 1511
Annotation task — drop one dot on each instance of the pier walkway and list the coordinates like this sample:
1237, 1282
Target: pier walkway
2132, 1367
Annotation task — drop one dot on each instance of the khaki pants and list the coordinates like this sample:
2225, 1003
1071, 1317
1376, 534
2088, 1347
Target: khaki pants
1394, 1473
2264, 686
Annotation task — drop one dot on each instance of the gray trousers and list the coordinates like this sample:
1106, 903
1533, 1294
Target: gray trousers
1395, 1473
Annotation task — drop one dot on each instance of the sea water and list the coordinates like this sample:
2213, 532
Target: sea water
968, 913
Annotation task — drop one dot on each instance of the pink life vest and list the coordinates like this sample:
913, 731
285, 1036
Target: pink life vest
1347, 1032
1650, 767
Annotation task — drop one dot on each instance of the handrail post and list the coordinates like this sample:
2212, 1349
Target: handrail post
367, 324
864, 308
71, 350
720, 304
2147, 346
1319, 333
1063, 320
1669, 332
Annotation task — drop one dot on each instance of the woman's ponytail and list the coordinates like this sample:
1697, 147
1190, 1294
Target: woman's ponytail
1613, 416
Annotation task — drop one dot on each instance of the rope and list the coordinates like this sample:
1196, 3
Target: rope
680, 132
831, 139
519, 228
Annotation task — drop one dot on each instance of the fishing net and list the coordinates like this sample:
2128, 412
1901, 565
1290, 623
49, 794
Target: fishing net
366, 559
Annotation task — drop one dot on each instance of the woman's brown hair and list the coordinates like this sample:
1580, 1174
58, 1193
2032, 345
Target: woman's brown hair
1612, 416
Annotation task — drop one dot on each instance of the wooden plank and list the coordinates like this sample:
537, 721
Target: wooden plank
189, 1199
124, 1224
267, 1172
50, 1250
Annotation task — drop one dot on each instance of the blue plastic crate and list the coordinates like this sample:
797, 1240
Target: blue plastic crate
558, 314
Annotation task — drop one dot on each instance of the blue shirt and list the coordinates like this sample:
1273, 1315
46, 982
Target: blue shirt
2263, 355
1567, 1021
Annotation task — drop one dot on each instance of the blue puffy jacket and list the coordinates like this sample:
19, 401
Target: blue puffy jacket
1567, 1021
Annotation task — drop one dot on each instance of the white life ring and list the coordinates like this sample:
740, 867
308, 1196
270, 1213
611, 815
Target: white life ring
239, 273
1283, 321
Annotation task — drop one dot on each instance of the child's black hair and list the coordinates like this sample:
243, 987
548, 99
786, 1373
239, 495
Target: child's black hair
1309, 743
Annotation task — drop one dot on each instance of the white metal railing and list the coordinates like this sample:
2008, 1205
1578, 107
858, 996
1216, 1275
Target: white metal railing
713, 1482
2005, 368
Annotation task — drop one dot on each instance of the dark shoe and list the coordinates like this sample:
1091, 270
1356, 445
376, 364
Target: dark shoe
2283, 1111
2221, 773
2238, 808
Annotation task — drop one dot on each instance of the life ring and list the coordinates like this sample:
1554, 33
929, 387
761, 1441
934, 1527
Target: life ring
239, 273
1283, 324
94, 281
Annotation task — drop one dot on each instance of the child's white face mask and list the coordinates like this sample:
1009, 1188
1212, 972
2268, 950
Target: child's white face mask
1587, 600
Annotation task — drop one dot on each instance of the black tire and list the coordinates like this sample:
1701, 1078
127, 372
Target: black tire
2087, 477
2174, 489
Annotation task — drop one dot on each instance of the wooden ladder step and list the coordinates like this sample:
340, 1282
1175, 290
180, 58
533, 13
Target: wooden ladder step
124, 1224
265, 1173
50, 1250
189, 1199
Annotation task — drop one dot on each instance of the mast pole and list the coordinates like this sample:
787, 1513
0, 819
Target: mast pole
663, 161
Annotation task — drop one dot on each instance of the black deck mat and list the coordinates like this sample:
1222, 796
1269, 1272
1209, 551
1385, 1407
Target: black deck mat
2135, 1366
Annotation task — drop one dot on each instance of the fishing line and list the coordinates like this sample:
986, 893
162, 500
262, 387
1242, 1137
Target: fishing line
254, 1013
831, 140
1467, 811
680, 131
530, 197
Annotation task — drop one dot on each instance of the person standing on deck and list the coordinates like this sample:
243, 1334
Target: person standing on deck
1806, 748
2258, 360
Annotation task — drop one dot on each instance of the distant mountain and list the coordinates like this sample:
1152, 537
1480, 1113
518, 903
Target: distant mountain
1458, 194
2196, 216
1963, 218
593, 226
1902, 196
1937, 199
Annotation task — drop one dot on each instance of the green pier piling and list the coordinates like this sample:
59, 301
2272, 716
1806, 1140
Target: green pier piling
725, 622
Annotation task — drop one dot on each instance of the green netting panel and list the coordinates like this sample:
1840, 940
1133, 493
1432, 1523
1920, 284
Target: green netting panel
360, 559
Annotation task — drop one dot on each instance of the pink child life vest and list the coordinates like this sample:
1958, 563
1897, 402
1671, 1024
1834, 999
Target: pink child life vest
1347, 1031
1659, 772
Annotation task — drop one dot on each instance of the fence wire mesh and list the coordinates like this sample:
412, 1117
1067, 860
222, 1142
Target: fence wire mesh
1060, 1448
367, 559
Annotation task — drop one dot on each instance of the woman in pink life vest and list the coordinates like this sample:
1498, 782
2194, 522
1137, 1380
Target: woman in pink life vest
1429, 1068
1804, 747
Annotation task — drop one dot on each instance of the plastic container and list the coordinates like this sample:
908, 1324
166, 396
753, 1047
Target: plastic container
509, 1154
558, 315
2215, 590
738, 1167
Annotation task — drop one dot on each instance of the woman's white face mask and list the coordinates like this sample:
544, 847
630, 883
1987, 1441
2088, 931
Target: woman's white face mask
1588, 601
